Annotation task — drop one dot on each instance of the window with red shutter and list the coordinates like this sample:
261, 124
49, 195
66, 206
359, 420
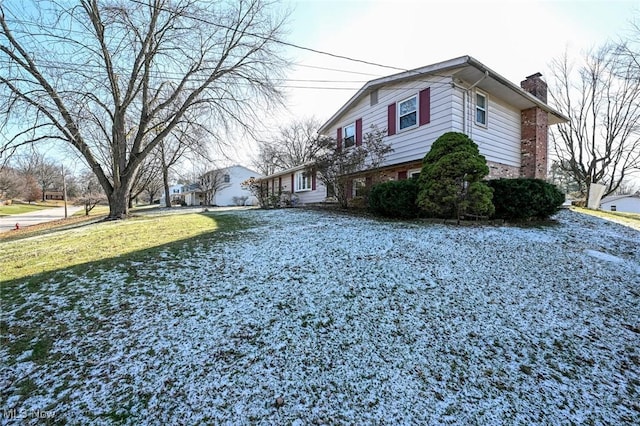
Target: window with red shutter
391, 119
425, 106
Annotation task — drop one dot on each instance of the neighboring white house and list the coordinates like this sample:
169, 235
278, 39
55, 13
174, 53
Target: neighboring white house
300, 183
227, 181
176, 195
219, 187
621, 203
508, 122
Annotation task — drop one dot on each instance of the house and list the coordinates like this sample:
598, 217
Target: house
621, 203
176, 195
508, 122
222, 187
299, 185
192, 194
54, 194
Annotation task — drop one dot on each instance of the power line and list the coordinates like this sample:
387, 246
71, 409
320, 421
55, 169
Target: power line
285, 43
266, 38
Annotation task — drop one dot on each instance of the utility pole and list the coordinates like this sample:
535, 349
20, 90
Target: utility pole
64, 192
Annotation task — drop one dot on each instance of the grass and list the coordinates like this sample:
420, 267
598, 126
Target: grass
73, 221
21, 208
53, 248
629, 219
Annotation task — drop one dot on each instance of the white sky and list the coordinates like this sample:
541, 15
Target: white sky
514, 38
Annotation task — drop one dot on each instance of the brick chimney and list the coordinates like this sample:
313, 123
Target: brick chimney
534, 131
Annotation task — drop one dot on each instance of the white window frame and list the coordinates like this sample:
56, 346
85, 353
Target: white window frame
303, 181
226, 178
357, 185
411, 172
416, 112
344, 135
484, 109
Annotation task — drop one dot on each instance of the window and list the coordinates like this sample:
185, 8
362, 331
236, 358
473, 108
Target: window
481, 109
359, 185
349, 133
408, 116
303, 181
414, 173
227, 178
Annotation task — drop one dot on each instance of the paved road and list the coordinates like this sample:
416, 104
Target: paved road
8, 223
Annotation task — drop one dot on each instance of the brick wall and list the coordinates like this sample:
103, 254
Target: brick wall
534, 131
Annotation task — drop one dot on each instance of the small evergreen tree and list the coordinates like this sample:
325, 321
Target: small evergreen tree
450, 184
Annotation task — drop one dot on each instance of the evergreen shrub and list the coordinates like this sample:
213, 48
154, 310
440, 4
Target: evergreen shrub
525, 198
395, 199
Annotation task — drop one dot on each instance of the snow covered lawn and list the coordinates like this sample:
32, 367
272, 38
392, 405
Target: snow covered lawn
319, 318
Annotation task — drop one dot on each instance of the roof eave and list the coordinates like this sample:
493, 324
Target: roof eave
554, 116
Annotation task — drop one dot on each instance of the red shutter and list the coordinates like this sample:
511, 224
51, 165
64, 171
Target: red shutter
349, 189
391, 119
279, 183
425, 106
368, 181
293, 188
339, 138
402, 175
359, 132
313, 180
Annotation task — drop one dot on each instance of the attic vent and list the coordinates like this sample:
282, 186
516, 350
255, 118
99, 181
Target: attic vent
373, 97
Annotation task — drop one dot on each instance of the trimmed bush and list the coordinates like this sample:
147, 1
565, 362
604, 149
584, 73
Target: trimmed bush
525, 198
450, 184
396, 199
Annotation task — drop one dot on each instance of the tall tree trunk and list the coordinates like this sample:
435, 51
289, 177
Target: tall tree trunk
165, 181
118, 203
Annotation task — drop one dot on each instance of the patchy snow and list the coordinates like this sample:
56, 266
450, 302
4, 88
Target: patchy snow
350, 321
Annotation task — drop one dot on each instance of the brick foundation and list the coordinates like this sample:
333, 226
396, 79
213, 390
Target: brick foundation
497, 171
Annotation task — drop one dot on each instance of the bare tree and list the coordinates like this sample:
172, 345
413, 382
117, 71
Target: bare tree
186, 137
10, 183
336, 166
91, 192
213, 181
601, 141
46, 173
148, 180
294, 145
114, 79
30, 190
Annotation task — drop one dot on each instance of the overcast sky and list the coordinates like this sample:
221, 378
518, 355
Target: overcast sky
514, 38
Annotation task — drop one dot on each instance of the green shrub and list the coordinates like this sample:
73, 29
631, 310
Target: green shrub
525, 198
396, 199
450, 183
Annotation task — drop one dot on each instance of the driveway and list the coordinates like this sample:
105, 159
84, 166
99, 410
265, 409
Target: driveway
8, 223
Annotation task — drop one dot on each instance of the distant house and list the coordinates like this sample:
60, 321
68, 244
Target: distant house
301, 184
192, 194
175, 193
621, 203
222, 187
508, 122
219, 187
53, 195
